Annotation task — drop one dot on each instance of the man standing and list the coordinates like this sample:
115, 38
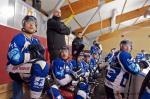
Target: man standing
77, 45
56, 31
96, 47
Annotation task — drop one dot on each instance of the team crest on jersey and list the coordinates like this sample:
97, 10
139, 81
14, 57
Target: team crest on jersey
129, 60
13, 53
13, 45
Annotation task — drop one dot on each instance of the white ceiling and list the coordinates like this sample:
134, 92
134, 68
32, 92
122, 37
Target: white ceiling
48, 5
105, 12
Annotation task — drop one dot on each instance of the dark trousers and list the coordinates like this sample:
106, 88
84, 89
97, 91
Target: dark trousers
54, 53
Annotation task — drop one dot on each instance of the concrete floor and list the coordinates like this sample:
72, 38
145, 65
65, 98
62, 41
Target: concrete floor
100, 90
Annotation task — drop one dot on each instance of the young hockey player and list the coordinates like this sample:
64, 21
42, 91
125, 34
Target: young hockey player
96, 48
109, 57
64, 74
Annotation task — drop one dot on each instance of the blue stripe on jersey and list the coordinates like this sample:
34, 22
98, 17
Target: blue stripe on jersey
16, 49
112, 73
128, 64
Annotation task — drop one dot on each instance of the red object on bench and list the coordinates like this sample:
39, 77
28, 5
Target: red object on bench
67, 94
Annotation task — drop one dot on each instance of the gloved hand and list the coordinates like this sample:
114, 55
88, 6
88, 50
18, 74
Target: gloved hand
36, 51
76, 73
87, 74
81, 79
144, 64
97, 45
94, 68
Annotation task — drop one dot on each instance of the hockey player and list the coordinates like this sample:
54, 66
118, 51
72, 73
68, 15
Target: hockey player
26, 60
118, 74
109, 57
62, 67
96, 48
95, 65
86, 63
94, 61
141, 56
79, 63
63, 72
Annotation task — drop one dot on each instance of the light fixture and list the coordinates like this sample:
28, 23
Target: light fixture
113, 19
147, 13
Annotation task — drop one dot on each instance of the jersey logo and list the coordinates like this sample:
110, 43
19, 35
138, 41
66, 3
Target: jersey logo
13, 45
24, 68
13, 52
39, 82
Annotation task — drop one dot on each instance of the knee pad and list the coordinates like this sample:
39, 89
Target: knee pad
82, 92
39, 72
54, 92
40, 68
41, 63
83, 86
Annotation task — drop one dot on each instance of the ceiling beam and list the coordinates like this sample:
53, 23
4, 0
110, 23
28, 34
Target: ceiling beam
133, 27
120, 18
80, 6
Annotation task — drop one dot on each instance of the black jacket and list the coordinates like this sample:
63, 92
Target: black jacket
77, 41
145, 83
77, 46
56, 31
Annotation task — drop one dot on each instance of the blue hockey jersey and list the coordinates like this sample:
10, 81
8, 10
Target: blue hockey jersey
95, 49
140, 56
80, 65
93, 64
18, 51
109, 57
86, 66
118, 72
61, 67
